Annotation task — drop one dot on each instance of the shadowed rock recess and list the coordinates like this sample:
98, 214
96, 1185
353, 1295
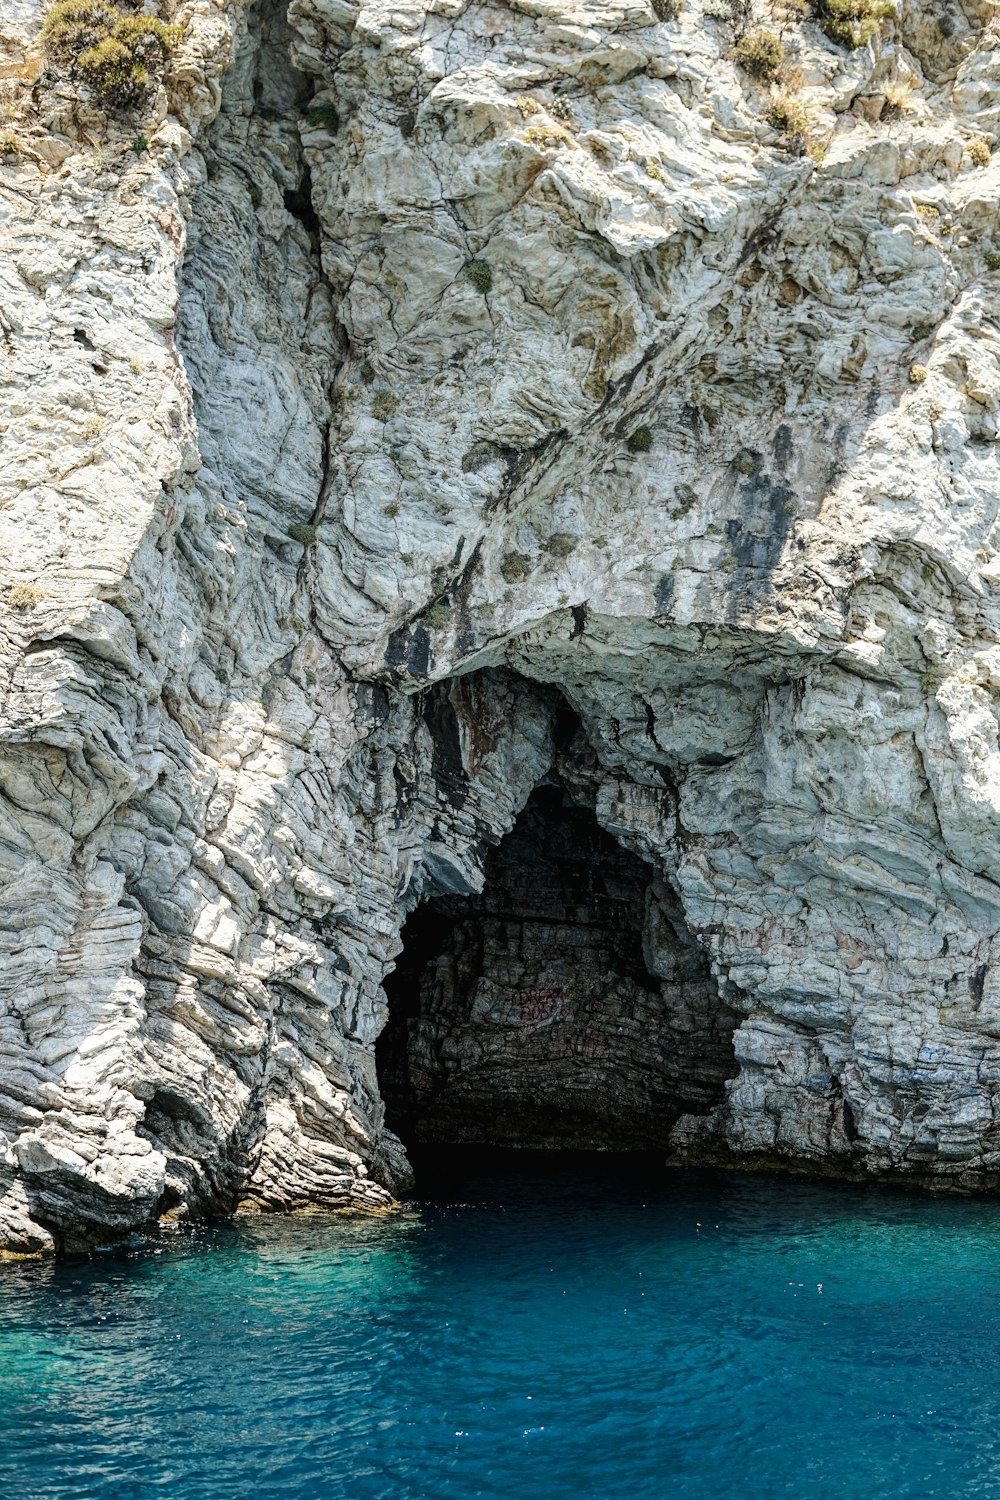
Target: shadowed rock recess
565, 1006
487, 512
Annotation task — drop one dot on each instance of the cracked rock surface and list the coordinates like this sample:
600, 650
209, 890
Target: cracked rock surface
438, 367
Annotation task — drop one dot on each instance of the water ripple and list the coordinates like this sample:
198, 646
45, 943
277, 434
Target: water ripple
586, 1336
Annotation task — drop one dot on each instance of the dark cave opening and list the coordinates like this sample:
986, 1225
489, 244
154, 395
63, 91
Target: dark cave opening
565, 1007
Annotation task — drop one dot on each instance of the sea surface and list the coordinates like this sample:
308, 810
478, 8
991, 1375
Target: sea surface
573, 1329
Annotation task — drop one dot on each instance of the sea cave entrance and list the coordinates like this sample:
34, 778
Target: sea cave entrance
566, 1006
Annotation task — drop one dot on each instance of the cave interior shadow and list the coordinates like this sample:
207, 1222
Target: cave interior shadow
565, 1008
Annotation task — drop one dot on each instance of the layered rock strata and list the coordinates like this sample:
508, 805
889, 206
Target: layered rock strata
432, 359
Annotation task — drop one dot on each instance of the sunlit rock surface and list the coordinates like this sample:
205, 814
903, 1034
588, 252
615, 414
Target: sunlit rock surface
308, 527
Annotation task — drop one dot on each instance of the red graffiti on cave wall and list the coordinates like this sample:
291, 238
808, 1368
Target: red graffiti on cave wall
538, 1006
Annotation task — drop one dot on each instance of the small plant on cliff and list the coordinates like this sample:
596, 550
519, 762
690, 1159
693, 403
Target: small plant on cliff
761, 53
480, 273
685, 498
479, 457
515, 567
548, 137
852, 23
384, 403
25, 595
323, 117
918, 374
978, 151
791, 115
640, 441
561, 544
437, 615
119, 55
898, 99
667, 10
303, 532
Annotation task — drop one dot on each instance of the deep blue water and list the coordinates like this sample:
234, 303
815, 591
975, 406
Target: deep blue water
560, 1335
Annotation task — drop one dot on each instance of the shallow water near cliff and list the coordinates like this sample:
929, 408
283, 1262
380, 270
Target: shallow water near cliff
572, 1330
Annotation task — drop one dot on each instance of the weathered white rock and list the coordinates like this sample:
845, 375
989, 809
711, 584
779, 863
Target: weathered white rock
274, 463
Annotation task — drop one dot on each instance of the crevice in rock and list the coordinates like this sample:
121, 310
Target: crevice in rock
299, 203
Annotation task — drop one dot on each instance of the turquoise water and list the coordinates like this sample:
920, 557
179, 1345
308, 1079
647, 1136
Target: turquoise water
561, 1335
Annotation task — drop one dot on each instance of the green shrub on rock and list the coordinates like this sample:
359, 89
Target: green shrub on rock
384, 403
761, 53
853, 23
437, 615
303, 532
480, 273
72, 27
792, 116
514, 567
119, 55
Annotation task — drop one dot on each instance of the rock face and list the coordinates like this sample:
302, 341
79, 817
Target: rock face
438, 366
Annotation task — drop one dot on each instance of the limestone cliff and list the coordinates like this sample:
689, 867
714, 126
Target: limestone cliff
410, 377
